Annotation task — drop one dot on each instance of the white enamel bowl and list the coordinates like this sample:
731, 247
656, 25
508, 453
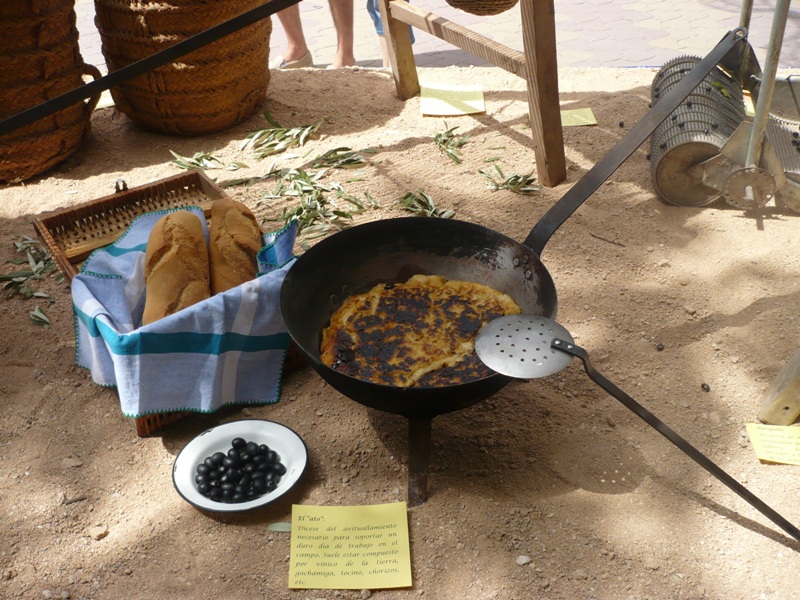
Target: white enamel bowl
290, 448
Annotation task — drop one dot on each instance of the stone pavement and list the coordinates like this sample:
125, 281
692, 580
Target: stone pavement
589, 33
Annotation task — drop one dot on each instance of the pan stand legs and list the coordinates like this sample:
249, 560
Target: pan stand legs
419, 457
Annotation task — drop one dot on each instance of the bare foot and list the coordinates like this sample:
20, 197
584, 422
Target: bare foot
341, 61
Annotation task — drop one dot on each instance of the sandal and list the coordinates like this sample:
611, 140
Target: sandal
302, 62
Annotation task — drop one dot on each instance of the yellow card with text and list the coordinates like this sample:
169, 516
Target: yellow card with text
350, 547
577, 117
775, 443
445, 100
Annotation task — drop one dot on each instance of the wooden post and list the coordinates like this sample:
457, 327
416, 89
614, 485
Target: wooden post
539, 45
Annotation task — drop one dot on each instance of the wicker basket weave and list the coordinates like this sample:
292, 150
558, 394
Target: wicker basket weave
208, 90
41, 60
483, 7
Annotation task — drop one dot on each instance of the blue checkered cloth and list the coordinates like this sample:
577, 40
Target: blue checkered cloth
228, 349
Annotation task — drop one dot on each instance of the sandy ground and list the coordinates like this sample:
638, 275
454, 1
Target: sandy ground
548, 489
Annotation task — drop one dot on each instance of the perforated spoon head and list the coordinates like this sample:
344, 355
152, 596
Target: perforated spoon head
519, 346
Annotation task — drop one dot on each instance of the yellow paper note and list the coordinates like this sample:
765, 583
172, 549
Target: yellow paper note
444, 100
350, 547
775, 443
577, 117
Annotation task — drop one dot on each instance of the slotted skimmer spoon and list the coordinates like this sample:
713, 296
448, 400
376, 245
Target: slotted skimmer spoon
530, 347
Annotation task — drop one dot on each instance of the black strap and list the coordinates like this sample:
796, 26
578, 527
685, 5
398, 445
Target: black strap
142, 66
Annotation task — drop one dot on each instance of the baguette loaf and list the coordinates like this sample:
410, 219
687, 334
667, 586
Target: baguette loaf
176, 272
234, 244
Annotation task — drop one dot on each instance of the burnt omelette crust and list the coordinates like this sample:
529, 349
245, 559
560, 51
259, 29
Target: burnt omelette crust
418, 333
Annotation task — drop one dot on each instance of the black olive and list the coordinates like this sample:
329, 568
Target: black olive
705, 387
659, 347
247, 471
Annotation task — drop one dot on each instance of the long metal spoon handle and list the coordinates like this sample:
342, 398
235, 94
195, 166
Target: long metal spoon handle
673, 437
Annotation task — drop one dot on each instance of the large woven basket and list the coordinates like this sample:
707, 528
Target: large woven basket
40, 60
483, 7
208, 90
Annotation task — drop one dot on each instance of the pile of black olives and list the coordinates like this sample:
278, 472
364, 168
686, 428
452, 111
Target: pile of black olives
246, 472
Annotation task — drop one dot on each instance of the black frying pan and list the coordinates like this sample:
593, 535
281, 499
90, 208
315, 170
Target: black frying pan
392, 250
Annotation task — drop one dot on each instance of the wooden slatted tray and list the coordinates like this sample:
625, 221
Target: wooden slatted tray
72, 234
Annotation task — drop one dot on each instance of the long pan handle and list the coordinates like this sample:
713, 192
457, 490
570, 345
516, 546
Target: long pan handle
673, 437
605, 167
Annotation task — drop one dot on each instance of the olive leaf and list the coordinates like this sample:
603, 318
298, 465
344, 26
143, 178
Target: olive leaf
248, 181
39, 264
316, 213
422, 205
276, 139
519, 184
280, 527
39, 317
339, 158
721, 88
199, 160
449, 143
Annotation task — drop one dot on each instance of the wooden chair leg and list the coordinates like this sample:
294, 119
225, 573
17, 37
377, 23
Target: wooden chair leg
401, 55
539, 45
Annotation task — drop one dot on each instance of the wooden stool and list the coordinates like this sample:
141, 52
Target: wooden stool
537, 65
